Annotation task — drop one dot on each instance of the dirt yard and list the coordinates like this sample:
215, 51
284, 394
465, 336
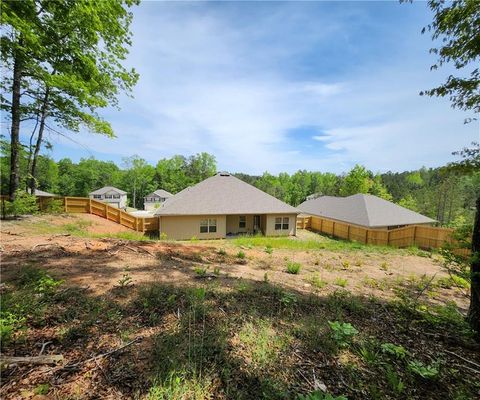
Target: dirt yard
116, 272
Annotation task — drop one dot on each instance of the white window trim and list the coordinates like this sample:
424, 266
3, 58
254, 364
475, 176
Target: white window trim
282, 223
210, 224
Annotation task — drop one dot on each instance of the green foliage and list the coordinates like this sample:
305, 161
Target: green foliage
288, 300
126, 278
422, 370
342, 332
180, 385
24, 203
222, 252
358, 180
317, 281
241, 255
9, 324
54, 206
268, 249
42, 389
394, 381
398, 351
319, 395
293, 267
200, 271
342, 282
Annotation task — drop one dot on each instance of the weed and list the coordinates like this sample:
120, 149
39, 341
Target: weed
241, 255
384, 266
394, 381
422, 370
268, 249
180, 385
265, 277
126, 279
346, 265
200, 271
398, 351
342, 282
288, 300
222, 252
163, 236
317, 281
319, 395
9, 324
42, 389
342, 332
293, 267
216, 271
358, 263
369, 355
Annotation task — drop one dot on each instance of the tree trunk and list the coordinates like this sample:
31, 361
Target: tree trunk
15, 132
474, 310
38, 145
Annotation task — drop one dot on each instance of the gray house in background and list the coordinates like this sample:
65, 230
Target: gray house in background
153, 200
111, 195
363, 210
41, 193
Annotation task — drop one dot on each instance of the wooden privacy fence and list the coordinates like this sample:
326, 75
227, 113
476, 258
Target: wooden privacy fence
90, 206
423, 236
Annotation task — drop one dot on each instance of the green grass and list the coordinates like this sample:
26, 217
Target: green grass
317, 281
342, 282
293, 267
318, 243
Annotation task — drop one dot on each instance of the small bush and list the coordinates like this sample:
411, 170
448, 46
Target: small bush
9, 324
54, 206
241, 255
317, 281
293, 267
126, 279
269, 249
24, 203
342, 332
200, 271
288, 299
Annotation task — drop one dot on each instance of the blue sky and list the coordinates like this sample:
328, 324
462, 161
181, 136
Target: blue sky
281, 87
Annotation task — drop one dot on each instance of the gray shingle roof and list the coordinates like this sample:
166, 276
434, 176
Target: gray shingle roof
106, 189
41, 193
363, 209
160, 193
223, 194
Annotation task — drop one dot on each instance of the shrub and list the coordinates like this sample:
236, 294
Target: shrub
293, 267
342, 332
9, 323
288, 299
54, 206
24, 203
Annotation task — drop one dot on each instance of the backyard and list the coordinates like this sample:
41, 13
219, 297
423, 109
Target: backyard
250, 317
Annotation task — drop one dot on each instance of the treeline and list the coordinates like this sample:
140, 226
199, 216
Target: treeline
440, 193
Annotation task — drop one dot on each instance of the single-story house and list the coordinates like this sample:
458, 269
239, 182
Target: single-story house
221, 206
152, 201
111, 195
363, 210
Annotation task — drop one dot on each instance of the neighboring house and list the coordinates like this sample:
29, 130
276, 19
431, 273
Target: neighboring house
363, 210
41, 193
153, 200
221, 206
111, 195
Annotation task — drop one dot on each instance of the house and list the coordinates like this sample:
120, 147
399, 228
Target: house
111, 195
363, 210
153, 200
221, 206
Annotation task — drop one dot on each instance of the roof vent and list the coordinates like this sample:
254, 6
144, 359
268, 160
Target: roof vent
223, 173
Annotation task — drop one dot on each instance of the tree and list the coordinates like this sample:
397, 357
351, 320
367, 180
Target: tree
379, 189
137, 179
408, 202
69, 66
457, 25
358, 180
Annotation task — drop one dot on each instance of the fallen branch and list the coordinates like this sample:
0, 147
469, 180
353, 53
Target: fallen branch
41, 244
108, 353
463, 359
37, 360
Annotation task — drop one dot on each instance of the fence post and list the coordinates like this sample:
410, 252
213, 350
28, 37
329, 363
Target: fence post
333, 229
388, 237
414, 235
348, 232
65, 204
89, 206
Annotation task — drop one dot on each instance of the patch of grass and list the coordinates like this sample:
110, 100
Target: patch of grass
293, 267
181, 385
268, 249
200, 271
342, 282
316, 281
261, 342
342, 332
241, 255
127, 235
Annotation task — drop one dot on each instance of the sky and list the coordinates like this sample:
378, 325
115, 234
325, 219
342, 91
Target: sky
282, 86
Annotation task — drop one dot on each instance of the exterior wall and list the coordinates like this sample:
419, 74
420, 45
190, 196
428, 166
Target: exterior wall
119, 203
151, 206
186, 227
270, 225
233, 224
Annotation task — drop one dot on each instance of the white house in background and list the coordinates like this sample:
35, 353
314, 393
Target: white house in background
111, 195
153, 200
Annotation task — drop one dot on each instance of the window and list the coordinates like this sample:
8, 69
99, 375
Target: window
97, 196
286, 222
278, 223
108, 196
242, 223
116, 196
208, 225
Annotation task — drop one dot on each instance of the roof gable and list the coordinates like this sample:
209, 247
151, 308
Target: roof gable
363, 209
223, 194
159, 193
107, 189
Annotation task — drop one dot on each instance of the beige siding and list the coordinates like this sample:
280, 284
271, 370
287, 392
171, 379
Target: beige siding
270, 225
233, 224
187, 227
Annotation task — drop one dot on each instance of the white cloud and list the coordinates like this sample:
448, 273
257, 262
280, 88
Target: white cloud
211, 84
